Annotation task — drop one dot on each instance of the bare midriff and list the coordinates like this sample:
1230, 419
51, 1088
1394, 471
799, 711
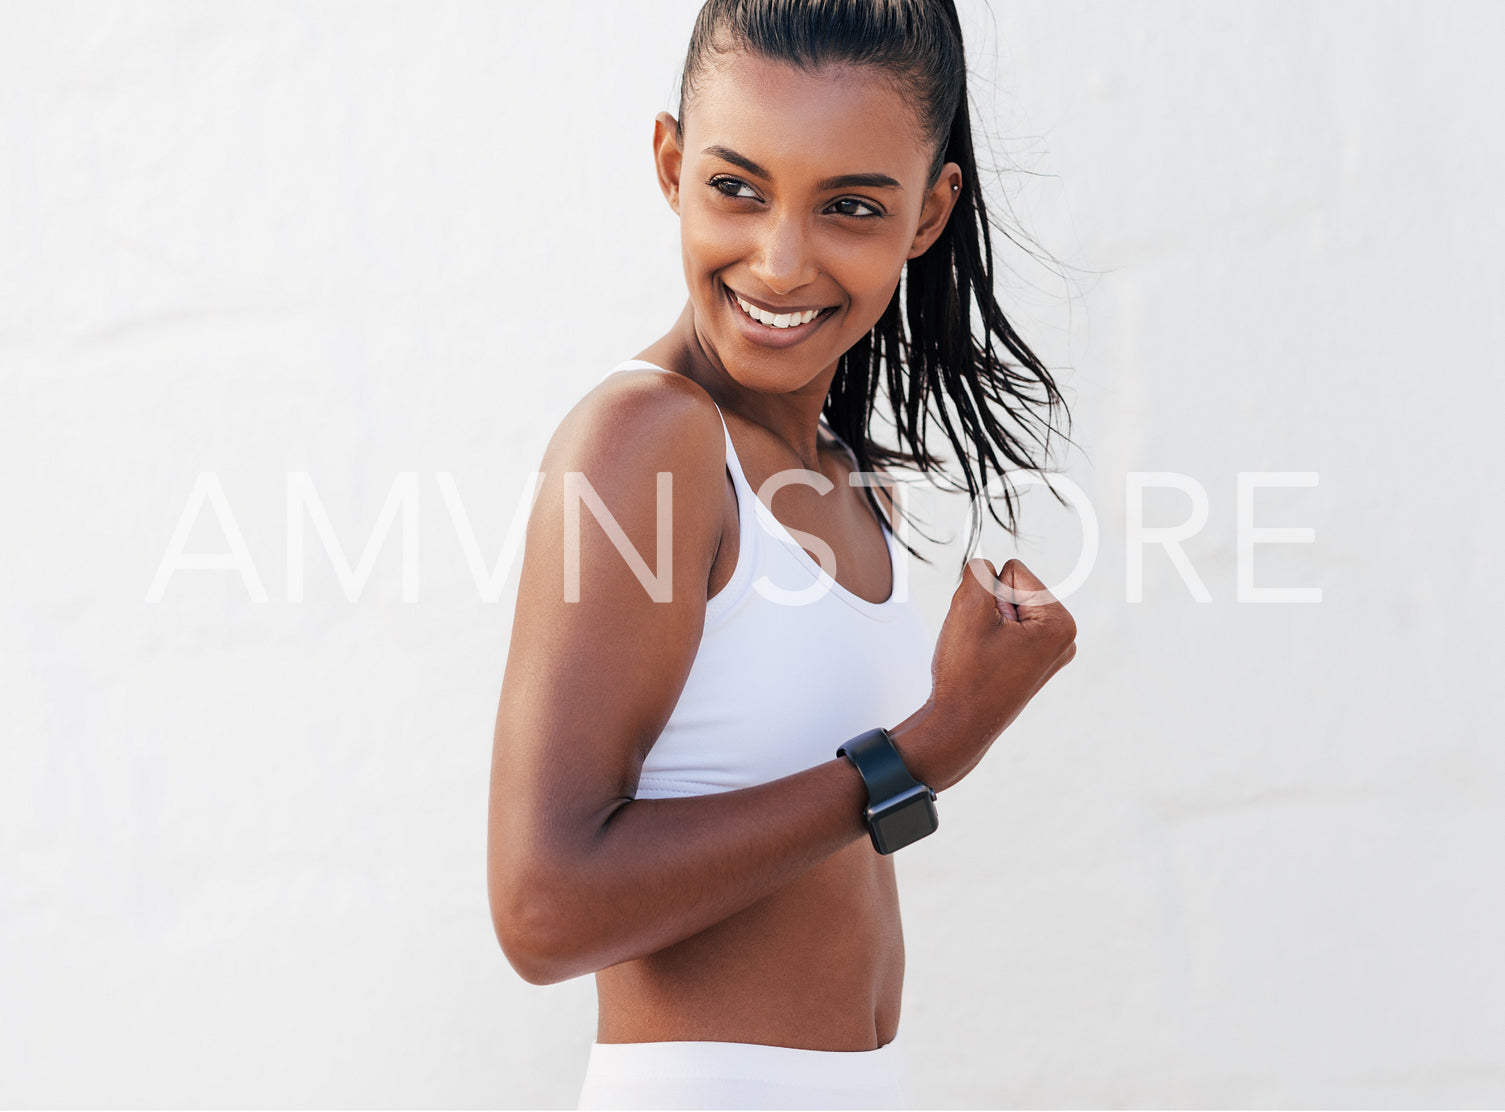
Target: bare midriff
818, 965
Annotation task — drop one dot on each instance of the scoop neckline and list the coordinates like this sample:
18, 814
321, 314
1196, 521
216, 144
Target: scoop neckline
879, 610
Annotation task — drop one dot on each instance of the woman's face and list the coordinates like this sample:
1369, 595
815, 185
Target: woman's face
800, 196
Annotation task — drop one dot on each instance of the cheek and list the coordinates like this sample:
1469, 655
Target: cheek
708, 240
868, 268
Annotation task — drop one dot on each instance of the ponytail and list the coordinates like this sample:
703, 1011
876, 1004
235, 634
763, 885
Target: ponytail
924, 350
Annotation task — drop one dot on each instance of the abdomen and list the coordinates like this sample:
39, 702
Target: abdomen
818, 964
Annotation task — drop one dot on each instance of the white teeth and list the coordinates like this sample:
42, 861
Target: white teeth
778, 320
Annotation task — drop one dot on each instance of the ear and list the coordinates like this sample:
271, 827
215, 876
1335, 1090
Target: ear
668, 157
937, 209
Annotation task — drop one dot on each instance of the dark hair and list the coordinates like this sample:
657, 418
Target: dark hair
924, 344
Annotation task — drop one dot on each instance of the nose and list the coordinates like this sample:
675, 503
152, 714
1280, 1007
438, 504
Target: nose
785, 258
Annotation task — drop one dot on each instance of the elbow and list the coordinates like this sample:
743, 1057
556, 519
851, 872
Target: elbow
529, 940
545, 909
535, 933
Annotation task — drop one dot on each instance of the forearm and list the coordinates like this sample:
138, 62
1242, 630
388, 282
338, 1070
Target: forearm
661, 870
657, 871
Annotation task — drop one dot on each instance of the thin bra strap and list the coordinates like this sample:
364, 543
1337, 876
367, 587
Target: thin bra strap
732, 460
731, 452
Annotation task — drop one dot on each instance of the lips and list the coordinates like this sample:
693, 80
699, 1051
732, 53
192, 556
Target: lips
776, 318
775, 326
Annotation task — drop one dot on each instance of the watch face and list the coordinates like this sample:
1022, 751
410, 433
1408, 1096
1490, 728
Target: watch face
905, 818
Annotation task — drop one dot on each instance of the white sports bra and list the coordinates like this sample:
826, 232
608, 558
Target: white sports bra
790, 664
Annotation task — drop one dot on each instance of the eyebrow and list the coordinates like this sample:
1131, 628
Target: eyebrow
840, 181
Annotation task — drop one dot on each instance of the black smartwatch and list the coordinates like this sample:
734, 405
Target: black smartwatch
900, 809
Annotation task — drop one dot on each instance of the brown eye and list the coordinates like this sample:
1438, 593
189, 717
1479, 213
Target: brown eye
730, 187
847, 206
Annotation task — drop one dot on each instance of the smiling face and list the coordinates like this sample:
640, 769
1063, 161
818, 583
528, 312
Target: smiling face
800, 196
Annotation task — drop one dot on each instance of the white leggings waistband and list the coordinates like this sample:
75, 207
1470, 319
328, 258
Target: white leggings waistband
724, 1075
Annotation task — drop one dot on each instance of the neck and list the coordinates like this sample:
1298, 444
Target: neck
793, 416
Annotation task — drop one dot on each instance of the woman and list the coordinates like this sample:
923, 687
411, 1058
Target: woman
669, 809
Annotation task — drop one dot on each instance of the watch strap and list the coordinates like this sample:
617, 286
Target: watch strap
878, 760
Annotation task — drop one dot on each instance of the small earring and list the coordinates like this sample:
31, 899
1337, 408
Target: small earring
954, 187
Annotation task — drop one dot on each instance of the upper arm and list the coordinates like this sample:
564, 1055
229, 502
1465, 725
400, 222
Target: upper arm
590, 684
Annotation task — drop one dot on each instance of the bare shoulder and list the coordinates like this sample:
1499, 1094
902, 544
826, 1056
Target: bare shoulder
640, 443
641, 416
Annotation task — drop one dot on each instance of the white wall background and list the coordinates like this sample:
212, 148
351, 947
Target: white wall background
1237, 854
